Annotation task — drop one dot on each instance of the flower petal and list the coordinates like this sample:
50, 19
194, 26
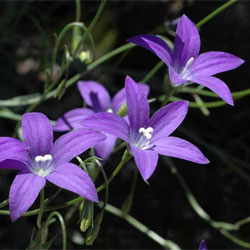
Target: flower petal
216, 85
179, 148
74, 143
137, 105
120, 98
104, 148
72, 119
95, 95
188, 34
108, 123
203, 245
13, 149
23, 192
146, 161
167, 119
214, 62
175, 78
155, 45
37, 133
12, 164
74, 179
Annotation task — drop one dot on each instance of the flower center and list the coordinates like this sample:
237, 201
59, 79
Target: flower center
110, 110
147, 132
42, 165
187, 66
144, 141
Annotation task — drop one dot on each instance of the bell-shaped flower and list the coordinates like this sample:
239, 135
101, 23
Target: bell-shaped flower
185, 65
146, 136
39, 159
99, 100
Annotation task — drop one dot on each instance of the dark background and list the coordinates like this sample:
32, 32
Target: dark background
27, 29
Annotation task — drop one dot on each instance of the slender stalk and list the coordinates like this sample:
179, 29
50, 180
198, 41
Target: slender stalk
153, 71
40, 214
167, 244
91, 26
61, 220
125, 158
4, 203
76, 32
222, 227
170, 93
215, 12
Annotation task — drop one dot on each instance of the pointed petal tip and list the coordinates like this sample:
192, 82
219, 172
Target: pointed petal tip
203, 245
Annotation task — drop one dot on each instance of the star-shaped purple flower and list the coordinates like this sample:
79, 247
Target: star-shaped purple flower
146, 136
185, 65
39, 159
99, 100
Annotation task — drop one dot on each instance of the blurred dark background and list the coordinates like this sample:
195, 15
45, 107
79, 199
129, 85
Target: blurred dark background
222, 188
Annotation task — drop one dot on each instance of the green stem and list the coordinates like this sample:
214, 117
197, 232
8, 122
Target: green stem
170, 93
222, 227
154, 70
167, 244
4, 203
125, 158
215, 12
60, 218
76, 32
91, 26
40, 214
235, 239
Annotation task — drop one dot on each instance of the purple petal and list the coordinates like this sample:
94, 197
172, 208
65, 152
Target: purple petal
104, 148
74, 179
120, 98
137, 105
72, 119
168, 118
23, 192
217, 86
95, 95
188, 35
155, 45
37, 133
146, 161
12, 164
211, 63
175, 78
108, 123
179, 148
13, 149
203, 245
73, 144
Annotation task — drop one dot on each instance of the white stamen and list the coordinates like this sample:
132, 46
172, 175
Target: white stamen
147, 132
189, 62
42, 173
142, 130
110, 110
40, 158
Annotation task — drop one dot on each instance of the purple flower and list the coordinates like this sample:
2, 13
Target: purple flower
98, 99
146, 136
185, 65
39, 159
202, 245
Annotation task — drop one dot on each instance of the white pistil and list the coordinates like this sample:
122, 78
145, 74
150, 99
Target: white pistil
40, 158
110, 110
147, 132
188, 64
